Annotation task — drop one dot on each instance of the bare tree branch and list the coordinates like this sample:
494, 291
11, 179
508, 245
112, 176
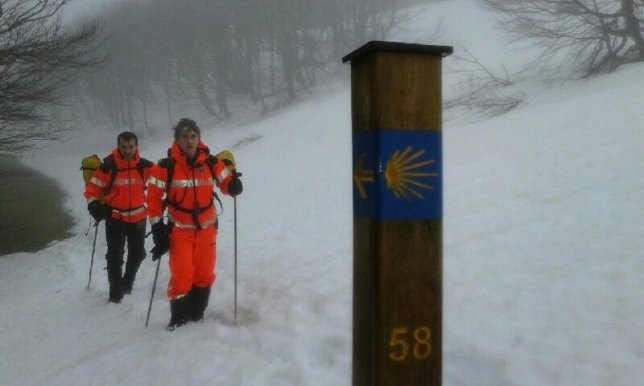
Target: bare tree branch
36, 56
599, 35
483, 91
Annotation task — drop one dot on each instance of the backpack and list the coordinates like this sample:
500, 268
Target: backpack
89, 165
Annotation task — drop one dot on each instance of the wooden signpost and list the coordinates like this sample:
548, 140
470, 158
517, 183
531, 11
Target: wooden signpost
397, 187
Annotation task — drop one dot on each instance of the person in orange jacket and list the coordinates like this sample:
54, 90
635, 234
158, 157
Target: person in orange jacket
187, 178
121, 180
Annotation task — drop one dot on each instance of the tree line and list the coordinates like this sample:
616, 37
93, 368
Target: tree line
164, 53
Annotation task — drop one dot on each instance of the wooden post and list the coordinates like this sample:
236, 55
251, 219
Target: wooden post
397, 198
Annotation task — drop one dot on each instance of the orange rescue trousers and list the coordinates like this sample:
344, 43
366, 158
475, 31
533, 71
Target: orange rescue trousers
192, 260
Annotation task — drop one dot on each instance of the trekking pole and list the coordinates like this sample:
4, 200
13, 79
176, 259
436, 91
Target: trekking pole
235, 230
154, 286
91, 264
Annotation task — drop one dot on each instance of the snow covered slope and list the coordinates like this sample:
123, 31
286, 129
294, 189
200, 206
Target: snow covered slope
543, 249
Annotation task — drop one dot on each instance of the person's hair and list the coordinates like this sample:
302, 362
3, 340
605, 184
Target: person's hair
127, 136
186, 123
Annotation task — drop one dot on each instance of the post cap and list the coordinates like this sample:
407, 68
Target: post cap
376, 45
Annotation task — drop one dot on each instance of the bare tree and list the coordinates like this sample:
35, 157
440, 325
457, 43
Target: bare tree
480, 89
599, 35
220, 52
36, 55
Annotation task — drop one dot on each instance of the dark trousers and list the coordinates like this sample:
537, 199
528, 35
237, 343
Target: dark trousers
117, 234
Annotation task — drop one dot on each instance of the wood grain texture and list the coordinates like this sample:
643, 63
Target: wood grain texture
397, 294
396, 91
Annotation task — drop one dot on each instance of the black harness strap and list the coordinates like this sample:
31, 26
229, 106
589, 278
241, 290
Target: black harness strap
169, 164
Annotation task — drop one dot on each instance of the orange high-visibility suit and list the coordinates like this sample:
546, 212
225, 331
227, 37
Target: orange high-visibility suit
125, 191
192, 214
122, 183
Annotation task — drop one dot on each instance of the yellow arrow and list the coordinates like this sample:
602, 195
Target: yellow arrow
360, 175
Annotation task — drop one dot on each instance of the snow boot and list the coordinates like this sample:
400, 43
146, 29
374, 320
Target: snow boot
128, 283
131, 268
179, 312
115, 280
198, 302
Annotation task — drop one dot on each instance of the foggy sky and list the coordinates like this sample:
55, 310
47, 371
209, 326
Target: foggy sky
79, 8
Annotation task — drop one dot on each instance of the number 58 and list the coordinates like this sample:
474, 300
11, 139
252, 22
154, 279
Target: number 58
400, 348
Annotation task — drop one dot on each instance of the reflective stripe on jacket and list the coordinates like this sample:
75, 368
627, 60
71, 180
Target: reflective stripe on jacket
126, 195
191, 190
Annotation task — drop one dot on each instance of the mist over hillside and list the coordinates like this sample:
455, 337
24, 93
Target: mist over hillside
542, 242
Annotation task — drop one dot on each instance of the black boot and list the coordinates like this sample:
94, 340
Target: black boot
131, 268
199, 302
116, 284
179, 312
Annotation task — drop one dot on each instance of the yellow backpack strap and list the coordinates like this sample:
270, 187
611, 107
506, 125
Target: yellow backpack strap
227, 157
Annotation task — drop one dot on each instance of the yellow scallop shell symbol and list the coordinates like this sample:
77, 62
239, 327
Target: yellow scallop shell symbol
404, 177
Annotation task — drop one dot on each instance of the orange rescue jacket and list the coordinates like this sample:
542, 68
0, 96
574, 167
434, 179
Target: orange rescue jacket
189, 197
123, 186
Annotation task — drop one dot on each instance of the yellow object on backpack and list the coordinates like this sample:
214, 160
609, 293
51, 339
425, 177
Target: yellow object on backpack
89, 165
226, 155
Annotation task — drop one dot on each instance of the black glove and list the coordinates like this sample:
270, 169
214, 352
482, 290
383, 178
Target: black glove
160, 239
157, 253
97, 210
235, 186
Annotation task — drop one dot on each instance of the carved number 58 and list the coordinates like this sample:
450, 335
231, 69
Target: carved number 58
401, 347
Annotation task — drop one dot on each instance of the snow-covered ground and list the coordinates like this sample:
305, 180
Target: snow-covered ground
543, 262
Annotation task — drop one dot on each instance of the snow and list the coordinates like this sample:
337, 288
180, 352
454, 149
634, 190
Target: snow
542, 247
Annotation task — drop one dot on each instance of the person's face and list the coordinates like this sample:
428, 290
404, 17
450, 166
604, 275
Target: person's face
127, 149
187, 142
